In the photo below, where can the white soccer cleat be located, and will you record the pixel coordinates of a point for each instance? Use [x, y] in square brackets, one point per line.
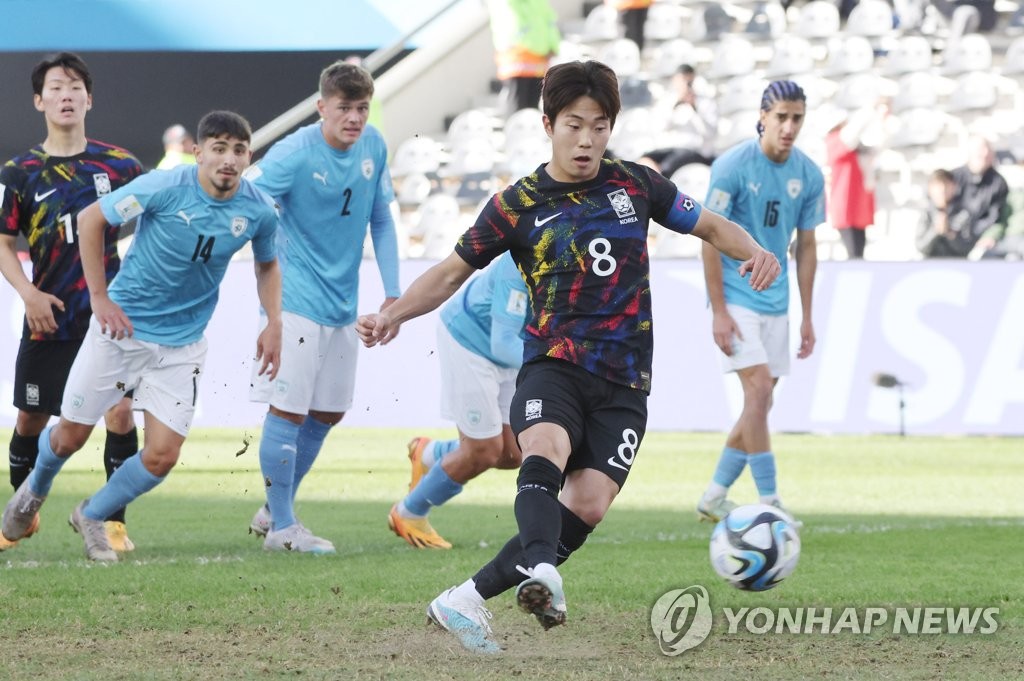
[466, 621]
[21, 513]
[97, 546]
[297, 538]
[713, 510]
[541, 594]
[260, 524]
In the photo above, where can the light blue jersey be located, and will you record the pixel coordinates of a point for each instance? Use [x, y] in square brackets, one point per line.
[326, 198]
[184, 240]
[487, 315]
[769, 200]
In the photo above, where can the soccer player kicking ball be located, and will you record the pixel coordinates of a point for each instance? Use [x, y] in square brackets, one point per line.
[146, 332]
[480, 346]
[577, 229]
[772, 189]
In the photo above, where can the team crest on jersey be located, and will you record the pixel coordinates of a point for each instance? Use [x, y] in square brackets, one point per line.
[102, 183]
[238, 226]
[32, 394]
[622, 204]
[534, 409]
[793, 187]
[367, 168]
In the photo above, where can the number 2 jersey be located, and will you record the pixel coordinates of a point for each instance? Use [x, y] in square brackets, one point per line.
[40, 197]
[582, 250]
[769, 200]
[185, 238]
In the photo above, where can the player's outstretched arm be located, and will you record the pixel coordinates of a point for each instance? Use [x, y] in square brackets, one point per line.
[430, 289]
[91, 228]
[38, 304]
[268, 344]
[736, 242]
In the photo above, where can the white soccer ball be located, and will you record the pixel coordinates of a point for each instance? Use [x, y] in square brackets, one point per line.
[754, 547]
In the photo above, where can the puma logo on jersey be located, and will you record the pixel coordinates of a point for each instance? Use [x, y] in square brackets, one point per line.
[537, 222]
[186, 218]
[322, 178]
[42, 197]
[755, 188]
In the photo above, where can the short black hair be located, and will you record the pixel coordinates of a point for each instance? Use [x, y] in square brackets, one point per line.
[687, 70]
[941, 175]
[567, 82]
[69, 61]
[220, 123]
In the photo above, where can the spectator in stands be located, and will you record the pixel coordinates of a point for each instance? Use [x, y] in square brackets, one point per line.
[1005, 239]
[692, 123]
[633, 15]
[946, 231]
[526, 36]
[979, 186]
[178, 144]
[851, 200]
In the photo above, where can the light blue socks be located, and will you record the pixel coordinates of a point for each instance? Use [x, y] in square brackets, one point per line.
[433, 489]
[762, 466]
[277, 462]
[311, 438]
[130, 481]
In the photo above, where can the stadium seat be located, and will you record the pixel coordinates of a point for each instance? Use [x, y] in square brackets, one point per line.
[910, 54]
[439, 226]
[522, 156]
[636, 132]
[524, 123]
[921, 127]
[791, 56]
[468, 156]
[664, 21]
[622, 55]
[916, 91]
[862, 89]
[413, 189]
[419, 154]
[740, 93]
[973, 91]
[602, 23]
[471, 124]
[1013, 59]
[693, 179]
[848, 54]
[767, 22]
[733, 56]
[817, 20]
[871, 19]
[666, 58]
[737, 127]
[971, 52]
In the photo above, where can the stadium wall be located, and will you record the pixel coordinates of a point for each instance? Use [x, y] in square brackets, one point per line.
[952, 331]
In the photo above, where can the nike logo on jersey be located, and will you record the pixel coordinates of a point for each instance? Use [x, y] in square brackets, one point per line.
[42, 197]
[537, 222]
[186, 218]
[322, 178]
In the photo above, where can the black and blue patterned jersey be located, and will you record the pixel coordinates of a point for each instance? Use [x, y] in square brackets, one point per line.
[40, 197]
[582, 250]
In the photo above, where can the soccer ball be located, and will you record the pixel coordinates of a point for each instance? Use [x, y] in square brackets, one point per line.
[754, 547]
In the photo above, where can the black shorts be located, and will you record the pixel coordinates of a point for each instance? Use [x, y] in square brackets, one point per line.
[605, 421]
[40, 373]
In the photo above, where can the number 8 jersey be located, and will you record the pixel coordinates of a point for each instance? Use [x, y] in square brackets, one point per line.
[582, 250]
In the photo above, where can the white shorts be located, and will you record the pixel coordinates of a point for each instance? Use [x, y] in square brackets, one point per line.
[765, 341]
[318, 367]
[475, 392]
[165, 379]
